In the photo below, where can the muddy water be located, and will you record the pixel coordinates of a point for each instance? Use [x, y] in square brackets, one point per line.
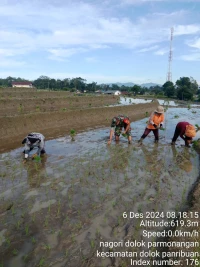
[55, 212]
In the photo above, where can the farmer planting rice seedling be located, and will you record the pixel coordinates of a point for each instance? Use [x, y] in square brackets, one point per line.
[186, 131]
[154, 124]
[31, 141]
[117, 124]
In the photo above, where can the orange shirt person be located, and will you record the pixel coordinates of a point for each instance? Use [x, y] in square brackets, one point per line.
[154, 124]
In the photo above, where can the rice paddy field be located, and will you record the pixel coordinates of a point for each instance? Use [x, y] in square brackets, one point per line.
[56, 210]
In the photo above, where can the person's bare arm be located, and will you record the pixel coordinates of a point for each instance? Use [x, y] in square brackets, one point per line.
[111, 135]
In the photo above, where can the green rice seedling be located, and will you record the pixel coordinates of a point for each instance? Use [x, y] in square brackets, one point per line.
[27, 230]
[66, 253]
[189, 106]
[47, 247]
[41, 262]
[78, 226]
[37, 159]
[15, 252]
[13, 210]
[123, 264]
[33, 218]
[90, 214]
[72, 134]
[139, 209]
[197, 127]
[20, 108]
[176, 116]
[73, 238]
[46, 222]
[18, 224]
[92, 243]
[8, 241]
[25, 257]
[195, 143]
[33, 240]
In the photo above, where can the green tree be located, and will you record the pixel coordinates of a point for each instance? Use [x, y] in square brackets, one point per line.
[169, 89]
[156, 89]
[185, 88]
[136, 89]
[115, 87]
[91, 87]
[194, 85]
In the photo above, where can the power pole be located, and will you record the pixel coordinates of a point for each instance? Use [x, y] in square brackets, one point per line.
[169, 74]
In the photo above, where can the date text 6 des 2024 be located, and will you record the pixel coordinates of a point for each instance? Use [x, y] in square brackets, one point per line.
[158, 215]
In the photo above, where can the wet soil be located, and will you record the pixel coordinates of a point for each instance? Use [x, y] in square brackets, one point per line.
[55, 212]
[17, 107]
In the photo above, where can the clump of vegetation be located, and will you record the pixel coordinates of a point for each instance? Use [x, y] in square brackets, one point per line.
[124, 135]
[20, 108]
[195, 143]
[176, 116]
[197, 127]
[36, 158]
[72, 134]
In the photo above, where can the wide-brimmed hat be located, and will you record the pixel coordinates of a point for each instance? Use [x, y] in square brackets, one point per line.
[159, 109]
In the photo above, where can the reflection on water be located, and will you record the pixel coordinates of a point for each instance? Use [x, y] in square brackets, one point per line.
[80, 190]
[131, 100]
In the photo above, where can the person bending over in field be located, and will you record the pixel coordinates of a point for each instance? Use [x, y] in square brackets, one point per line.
[154, 124]
[31, 141]
[117, 124]
[186, 131]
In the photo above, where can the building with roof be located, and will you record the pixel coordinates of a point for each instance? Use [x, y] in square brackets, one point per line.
[22, 84]
[112, 92]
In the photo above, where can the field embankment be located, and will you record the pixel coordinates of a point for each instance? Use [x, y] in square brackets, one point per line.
[53, 124]
[55, 113]
[13, 107]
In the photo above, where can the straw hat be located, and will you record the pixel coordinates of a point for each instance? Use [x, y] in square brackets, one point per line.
[159, 109]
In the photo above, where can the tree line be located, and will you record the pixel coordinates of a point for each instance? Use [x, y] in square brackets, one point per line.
[184, 88]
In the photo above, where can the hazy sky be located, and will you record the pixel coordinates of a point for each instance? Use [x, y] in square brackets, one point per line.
[101, 41]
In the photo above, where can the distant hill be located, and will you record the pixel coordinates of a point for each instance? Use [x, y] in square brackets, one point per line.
[149, 84]
[130, 84]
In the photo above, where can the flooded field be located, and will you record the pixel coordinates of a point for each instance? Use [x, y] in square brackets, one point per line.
[56, 211]
[131, 100]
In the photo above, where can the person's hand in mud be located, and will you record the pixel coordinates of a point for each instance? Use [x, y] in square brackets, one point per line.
[161, 126]
[34, 156]
[109, 142]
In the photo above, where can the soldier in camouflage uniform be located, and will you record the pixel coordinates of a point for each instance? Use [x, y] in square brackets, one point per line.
[117, 124]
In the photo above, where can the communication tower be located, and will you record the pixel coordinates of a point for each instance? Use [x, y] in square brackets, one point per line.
[169, 74]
